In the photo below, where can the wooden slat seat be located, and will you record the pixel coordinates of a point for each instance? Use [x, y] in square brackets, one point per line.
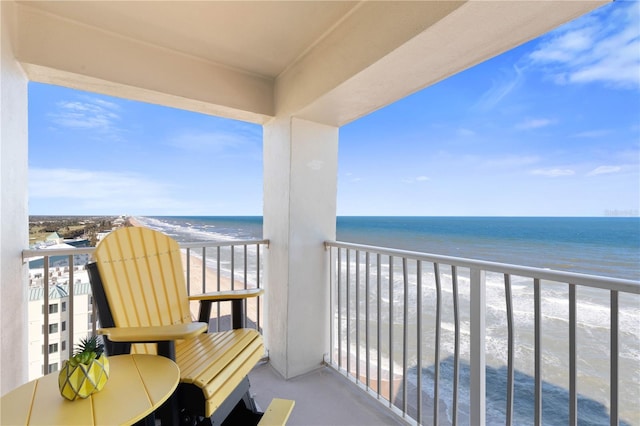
[218, 362]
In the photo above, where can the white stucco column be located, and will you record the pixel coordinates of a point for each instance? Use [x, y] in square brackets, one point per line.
[14, 225]
[300, 184]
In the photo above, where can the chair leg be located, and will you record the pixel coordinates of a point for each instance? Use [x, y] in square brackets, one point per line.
[237, 313]
[240, 396]
[249, 402]
[191, 399]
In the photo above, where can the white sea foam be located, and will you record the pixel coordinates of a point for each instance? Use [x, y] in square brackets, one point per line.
[592, 327]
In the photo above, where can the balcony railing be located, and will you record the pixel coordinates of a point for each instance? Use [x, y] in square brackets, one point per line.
[413, 328]
[444, 340]
[57, 322]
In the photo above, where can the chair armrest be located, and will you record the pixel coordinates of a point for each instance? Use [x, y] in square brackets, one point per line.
[152, 334]
[221, 296]
[236, 297]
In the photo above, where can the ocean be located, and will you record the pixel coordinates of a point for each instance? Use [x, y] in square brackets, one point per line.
[599, 246]
[607, 247]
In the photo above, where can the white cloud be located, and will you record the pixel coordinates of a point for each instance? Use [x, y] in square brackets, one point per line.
[351, 177]
[592, 133]
[87, 190]
[88, 113]
[105, 104]
[510, 161]
[553, 172]
[603, 47]
[535, 123]
[466, 132]
[416, 179]
[501, 87]
[213, 141]
[604, 170]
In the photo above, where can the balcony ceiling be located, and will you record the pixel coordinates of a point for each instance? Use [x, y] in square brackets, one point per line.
[328, 61]
[259, 37]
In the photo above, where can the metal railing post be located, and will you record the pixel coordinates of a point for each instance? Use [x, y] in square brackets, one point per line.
[45, 327]
[613, 361]
[71, 309]
[477, 398]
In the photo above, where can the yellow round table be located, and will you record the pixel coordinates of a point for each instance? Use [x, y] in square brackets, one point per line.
[137, 386]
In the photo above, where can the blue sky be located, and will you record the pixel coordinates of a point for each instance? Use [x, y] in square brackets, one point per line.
[551, 128]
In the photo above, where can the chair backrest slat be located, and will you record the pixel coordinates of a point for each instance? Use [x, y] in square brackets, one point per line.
[143, 277]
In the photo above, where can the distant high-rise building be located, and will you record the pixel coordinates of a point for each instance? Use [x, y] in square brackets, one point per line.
[58, 328]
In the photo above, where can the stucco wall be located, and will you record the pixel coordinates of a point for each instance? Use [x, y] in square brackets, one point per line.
[14, 225]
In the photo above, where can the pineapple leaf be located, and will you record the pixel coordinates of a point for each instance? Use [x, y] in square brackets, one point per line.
[89, 345]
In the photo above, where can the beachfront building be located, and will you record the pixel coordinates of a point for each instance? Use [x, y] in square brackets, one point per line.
[299, 69]
[61, 336]
[60, 261]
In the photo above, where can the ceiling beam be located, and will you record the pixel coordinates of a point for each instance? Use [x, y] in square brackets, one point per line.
[63, 52]
[324, 90]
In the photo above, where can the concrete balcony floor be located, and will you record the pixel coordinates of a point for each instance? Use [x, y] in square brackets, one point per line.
[323, 397]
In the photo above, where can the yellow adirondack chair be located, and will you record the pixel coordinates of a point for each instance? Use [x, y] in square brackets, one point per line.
[139, 286]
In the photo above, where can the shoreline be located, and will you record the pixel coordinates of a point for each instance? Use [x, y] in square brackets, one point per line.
[131, 221]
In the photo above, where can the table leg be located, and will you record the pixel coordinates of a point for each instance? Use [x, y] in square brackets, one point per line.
[150, 420]
[169, 411]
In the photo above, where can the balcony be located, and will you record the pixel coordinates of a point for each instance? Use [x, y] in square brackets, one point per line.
[323, 65]
[484, 344]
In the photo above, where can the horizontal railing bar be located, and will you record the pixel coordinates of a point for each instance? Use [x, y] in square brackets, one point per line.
[198, 244]
[594, 281]
[29, 253]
